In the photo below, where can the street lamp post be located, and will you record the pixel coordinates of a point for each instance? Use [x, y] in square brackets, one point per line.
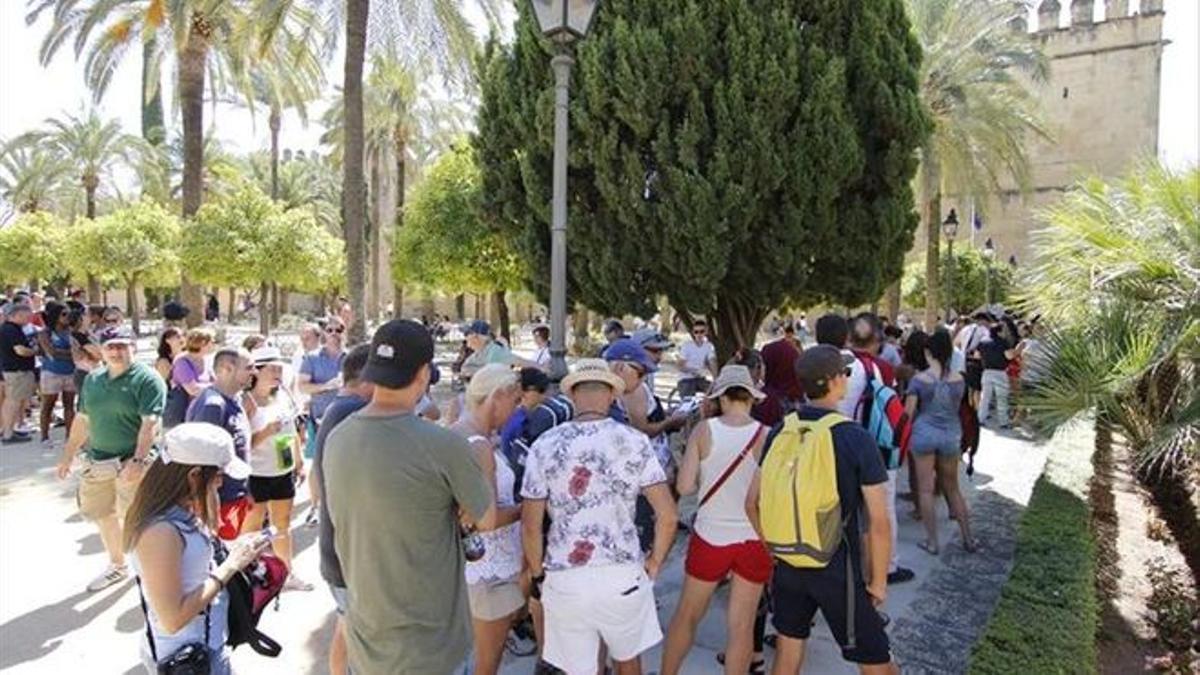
[563, 22]
[950, 231]
[989, 252]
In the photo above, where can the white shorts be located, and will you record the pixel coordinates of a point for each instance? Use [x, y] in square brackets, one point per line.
[586, 605]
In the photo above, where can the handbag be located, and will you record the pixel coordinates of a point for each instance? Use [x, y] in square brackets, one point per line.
[250, 591]
[190, 659]
[737, 461]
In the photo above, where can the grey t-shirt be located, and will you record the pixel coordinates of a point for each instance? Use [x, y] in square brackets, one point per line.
[394, 485]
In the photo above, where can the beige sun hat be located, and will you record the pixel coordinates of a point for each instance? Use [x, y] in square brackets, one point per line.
[593, 370]
[735, 376]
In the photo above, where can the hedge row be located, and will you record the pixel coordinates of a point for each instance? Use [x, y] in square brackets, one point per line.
[1047, 616]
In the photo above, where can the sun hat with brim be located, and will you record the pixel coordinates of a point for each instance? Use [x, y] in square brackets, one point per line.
[593, 370]
[735, 377]
[117, 335]
[266, 356]
[203, 444]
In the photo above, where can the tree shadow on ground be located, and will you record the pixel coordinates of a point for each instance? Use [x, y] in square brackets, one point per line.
[35, 634]
[90, 544]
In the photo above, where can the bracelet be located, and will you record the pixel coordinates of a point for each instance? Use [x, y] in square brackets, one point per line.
[220, 582]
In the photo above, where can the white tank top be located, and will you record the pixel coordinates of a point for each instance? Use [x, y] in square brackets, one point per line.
[722, 521]
[503, 555]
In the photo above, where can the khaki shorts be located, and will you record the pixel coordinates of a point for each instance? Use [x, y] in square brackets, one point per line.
[490, 602]
[57, 384]
[19, 384]
[101, 492]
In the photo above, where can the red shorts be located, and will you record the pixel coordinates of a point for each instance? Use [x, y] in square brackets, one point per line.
[233, 514]
[748, 559]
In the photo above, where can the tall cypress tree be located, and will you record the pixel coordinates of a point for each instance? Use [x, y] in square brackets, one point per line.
[734, 155]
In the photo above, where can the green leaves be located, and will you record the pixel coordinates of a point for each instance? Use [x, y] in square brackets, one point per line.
[31, 248]
[138, 243]
[969, 274]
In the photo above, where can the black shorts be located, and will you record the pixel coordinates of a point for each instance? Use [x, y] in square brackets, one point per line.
[272, 488]
[797, 594]
[974, 375]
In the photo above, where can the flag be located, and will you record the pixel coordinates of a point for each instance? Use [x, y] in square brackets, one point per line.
[977, 222]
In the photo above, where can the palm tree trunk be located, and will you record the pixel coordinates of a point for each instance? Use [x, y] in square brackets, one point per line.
[152, 107]
[931, 205]
[354, 189]
[376, 227]
[275, 122]
[191, 99]
[90, 191]
[400, 140]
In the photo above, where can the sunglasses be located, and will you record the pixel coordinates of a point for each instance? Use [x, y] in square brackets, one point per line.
[699, 332]
[339, 330]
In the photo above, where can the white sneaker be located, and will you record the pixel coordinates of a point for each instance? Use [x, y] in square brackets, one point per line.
[113, 575]
[295, 583]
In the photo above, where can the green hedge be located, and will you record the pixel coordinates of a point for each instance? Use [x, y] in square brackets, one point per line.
[1047, 616]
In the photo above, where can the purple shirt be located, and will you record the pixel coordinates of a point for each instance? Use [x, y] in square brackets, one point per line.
[185, 371]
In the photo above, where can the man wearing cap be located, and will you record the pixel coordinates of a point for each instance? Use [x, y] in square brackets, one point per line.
[485, 349]
[396, 488]
[221, 404]
[18, 364]
[117, 419]
[655, 343]
[593, 580]
[840, 590]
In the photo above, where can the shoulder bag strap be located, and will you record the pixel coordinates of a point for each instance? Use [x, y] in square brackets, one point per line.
[737, 461]
[146, 614]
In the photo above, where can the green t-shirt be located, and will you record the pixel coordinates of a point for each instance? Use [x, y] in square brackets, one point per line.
[115, 408]
[393, 486]
[492, 352]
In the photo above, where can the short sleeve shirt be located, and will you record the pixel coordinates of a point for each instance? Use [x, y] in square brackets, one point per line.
[185, 371]
[274, 456]
[697, 356]
[341, 408]
[321, 367]
[590, 474]
[12, 335]
[492, 352]
[116, 406]
[214, 407]
[394, 486]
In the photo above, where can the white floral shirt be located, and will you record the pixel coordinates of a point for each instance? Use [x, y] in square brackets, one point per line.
[591, 474]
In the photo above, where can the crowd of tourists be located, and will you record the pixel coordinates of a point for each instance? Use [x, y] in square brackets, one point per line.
[515, 509]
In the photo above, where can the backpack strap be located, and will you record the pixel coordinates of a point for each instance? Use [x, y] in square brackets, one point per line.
[733, 465]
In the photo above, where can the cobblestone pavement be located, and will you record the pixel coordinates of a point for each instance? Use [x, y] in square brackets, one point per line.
[50, 624]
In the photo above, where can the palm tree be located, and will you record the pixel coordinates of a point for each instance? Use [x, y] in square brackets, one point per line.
[982, 111]
[1117, 275]
[34, 178]
[207, 38]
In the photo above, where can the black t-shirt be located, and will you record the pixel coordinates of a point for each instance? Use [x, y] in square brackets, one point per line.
[11, 335]
[992, 352]
[858, 464]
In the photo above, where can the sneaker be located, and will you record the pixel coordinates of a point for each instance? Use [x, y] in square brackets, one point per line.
[16, 438]
[295, 583]
[113, 575]
[901, 575]
[313, 517]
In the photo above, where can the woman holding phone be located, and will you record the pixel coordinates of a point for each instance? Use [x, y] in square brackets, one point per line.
[276, 462]
[170, 535]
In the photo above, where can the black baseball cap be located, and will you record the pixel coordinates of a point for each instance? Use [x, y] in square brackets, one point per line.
[535, 379]
[398, 350]
[820, 364]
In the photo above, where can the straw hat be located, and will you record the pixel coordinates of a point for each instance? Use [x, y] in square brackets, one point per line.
[593, 370]
[732, 376]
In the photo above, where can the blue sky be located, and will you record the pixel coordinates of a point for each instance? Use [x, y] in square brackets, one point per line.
[32, 93]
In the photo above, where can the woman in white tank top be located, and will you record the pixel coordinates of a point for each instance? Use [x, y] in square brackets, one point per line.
[718, 467]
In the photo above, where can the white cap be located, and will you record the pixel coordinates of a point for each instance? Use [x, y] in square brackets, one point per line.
[265, 355]
[203, 444]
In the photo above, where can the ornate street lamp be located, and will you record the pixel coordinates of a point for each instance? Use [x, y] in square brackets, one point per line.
[564, 22]
[950, 231]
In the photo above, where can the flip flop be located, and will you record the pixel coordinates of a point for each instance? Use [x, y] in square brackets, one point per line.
[925, 546]
[758, 667]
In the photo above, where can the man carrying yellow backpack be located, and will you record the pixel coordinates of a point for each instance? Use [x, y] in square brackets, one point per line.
[819, 470]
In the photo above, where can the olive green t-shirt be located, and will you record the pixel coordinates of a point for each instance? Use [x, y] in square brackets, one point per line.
[394, 485]
[115, 407]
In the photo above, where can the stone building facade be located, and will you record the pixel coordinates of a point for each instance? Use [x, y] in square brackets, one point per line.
[1100, 104]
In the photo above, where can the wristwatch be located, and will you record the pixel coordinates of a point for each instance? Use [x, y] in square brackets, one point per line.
[536, 588]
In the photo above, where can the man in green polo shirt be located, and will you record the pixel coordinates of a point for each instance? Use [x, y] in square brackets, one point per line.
[120, 406]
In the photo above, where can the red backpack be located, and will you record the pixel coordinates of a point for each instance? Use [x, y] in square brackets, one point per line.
[884, 417]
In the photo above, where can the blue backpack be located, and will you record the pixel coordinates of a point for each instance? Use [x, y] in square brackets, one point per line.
[885, 418]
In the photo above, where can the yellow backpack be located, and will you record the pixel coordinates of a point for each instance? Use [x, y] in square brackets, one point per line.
[799, 508]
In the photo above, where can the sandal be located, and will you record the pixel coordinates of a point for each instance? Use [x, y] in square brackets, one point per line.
[758, 667]
[971, 545]
[927, 547]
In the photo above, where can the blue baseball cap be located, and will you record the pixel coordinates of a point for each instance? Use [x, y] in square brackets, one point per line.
[478, 327]
[629, 351]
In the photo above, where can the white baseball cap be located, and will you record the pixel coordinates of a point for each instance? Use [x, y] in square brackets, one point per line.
[203, 444]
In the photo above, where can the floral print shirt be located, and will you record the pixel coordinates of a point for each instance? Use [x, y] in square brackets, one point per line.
[591, 474]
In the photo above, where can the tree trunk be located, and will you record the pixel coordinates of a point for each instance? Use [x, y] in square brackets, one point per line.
[892, 298]
[153, 129]
[375, 227]
[428, 303]
[501, 304]
[275, 121]
[478, 313]
[734, 325]
[460, 307]
[192, 62]
[131, 304]
[231, 308]
[264, 312]
[93, 288]
[90, 191]
[274, 305]
[397, 301]
[354, 190]
[579, 330]
[931, 205]
[285, 303]
[399, 138]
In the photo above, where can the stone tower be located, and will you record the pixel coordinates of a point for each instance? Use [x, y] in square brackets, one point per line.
[1100, 104]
